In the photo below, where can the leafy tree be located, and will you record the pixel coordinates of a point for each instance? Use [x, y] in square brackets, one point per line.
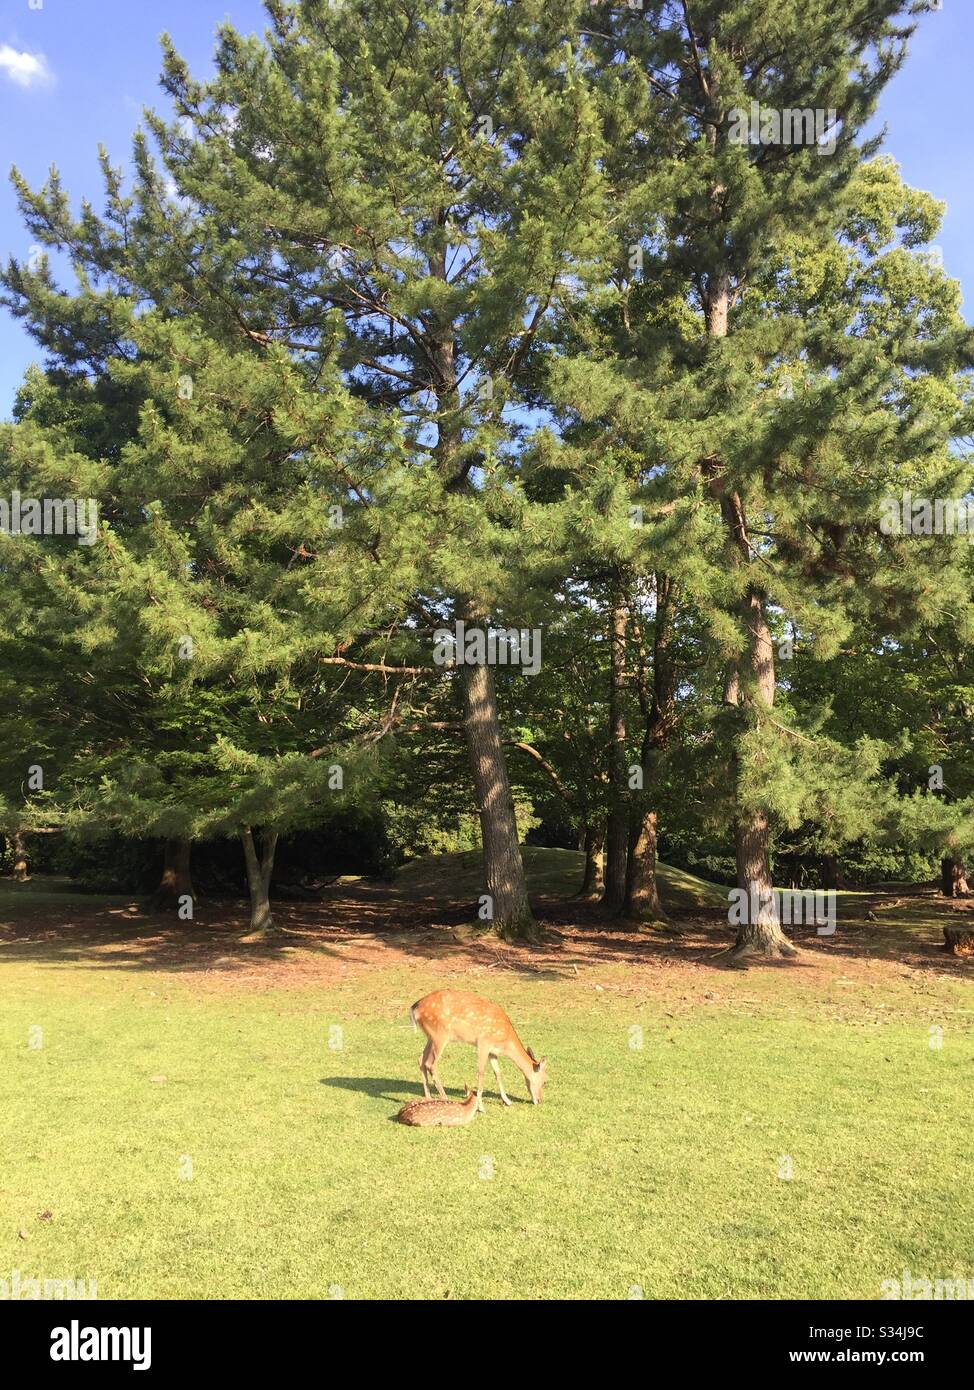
[410, 192]
[196, 635]
[782, 392]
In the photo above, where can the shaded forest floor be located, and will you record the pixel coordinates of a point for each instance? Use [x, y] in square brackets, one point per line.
[426, 919]
[183, 1114]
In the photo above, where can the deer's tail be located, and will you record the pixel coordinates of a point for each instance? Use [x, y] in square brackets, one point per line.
[412, 1016]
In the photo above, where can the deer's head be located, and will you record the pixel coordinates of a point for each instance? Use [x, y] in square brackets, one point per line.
[537, 1077]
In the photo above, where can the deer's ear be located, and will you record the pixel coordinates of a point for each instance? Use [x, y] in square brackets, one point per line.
[531, 1055]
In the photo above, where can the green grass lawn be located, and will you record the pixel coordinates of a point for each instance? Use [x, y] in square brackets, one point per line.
[188, 1135]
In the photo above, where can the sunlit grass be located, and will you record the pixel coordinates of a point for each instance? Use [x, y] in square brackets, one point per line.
[724, 1149]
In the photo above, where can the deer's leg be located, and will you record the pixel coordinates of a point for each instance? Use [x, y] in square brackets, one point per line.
[435, 1053]
[423, 1065]
[495, 1065]
[482, 1055]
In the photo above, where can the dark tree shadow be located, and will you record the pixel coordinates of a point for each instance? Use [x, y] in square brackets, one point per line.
[900, 925]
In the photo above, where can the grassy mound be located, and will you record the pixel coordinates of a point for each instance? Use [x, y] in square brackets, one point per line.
[552, 873]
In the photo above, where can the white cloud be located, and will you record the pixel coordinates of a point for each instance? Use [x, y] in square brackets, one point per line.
[23, 68]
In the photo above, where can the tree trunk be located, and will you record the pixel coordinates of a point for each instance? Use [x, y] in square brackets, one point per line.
[953, 879]
[751, 678]
[503, 867]
[259, 869]
[829, 870]
[617, 829]
[657, 703]
[959, 941]
[176, 881]
[759, 932]
[21, 866]
[593, 882]
[642, 895]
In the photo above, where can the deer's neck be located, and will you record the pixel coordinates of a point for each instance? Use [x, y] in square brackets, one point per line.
[519, 1055]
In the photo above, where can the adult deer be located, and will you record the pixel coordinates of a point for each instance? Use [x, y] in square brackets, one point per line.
[449, 1014]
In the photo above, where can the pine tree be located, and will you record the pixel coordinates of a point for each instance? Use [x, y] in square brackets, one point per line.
[185, 687]
[414, 191]
[789, 424]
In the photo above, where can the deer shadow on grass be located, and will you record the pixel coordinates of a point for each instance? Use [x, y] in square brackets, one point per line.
[389, 1088]
[386, 1088]
[398, 1091]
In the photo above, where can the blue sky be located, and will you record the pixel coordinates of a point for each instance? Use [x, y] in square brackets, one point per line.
[74, 73]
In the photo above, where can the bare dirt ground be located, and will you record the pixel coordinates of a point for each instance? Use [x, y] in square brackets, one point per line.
[888, 938]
